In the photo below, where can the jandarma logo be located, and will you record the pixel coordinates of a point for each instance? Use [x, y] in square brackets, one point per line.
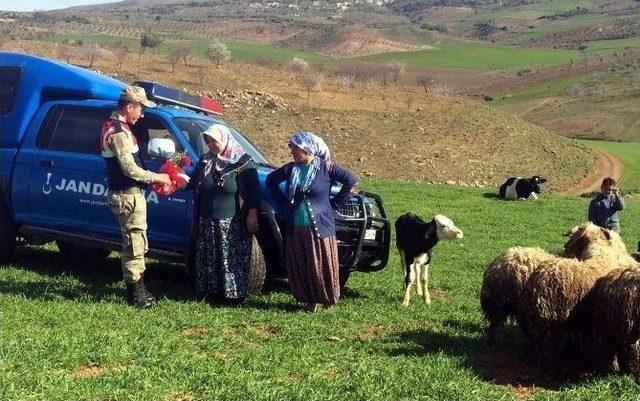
[85, 187]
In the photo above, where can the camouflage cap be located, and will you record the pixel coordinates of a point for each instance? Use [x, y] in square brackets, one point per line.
[136, 94]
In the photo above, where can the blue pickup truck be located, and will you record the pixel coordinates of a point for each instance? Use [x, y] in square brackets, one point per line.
[53, 180]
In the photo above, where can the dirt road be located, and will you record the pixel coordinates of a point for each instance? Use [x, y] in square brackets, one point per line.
[606, 165]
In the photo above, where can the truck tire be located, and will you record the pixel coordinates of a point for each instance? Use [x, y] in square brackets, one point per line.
[8, 234]
[69, 250]
[257, 268]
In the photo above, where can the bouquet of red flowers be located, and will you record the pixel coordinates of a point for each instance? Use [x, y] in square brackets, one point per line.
[174, 167]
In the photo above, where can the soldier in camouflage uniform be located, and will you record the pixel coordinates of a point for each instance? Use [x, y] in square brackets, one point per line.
[127, 180]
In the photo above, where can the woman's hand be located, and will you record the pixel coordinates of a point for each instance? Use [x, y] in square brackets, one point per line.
[252, 221]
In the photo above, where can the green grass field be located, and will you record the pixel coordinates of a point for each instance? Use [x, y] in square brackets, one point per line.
[479, 55]
[67, 333]
[628, 153]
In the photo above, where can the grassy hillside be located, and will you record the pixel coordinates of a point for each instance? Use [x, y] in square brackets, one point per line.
[67, 333]
[628, 155]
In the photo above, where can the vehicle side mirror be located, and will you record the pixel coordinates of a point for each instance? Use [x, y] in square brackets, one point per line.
[161, 148]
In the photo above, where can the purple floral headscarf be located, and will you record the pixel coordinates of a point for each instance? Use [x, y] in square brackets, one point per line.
[314, 145]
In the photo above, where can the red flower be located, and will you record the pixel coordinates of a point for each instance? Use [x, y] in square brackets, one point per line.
[173, 167]
[185, 161]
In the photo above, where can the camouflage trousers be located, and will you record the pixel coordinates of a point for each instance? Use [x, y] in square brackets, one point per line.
[130, 209]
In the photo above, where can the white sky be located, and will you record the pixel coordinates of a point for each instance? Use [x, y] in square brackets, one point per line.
[33, 5]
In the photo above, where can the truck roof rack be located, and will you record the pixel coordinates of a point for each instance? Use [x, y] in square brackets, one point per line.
[171, 96]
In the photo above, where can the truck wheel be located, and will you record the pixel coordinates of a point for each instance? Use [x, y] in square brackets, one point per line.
[69, 250]
[8, 234]
[257, 268]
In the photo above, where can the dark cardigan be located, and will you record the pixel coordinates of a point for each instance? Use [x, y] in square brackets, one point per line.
[317, 196]
[217, 195]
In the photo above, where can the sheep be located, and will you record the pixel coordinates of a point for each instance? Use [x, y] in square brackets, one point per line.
[503, 281]
[605, 326]
[505, 278]
[559, 284]
[415, 240]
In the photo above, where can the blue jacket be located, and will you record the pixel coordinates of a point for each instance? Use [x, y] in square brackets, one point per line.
[317, 196]
[603, 211]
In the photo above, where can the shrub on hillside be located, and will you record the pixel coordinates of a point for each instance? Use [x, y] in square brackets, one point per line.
[120, 50]
[298, 65]
[311, 80]
[64, 52]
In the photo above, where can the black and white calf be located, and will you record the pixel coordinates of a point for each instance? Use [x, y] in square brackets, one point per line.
[522, 188]
[415, 239]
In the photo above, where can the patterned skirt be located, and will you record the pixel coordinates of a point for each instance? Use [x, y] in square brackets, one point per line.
[312, 266]
[223, 256]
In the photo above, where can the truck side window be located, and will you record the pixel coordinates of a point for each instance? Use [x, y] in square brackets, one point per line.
[9, 79]
[151, 127]
[78, 129]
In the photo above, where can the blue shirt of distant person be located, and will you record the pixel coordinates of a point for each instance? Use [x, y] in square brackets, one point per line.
[605, 207]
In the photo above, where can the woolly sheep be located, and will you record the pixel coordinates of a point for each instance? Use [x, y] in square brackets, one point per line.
[504, 279]
[606, 325]
[558, 285]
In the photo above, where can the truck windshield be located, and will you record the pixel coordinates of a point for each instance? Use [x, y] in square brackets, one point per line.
[194, 127]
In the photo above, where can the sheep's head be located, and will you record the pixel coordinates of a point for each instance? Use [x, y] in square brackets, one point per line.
[445, 229]
[585, 237]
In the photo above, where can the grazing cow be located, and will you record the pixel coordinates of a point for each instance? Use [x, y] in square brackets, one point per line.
[415, 240]
[522, 188]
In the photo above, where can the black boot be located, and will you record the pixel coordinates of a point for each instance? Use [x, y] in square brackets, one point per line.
[147, 294]
[138, 296]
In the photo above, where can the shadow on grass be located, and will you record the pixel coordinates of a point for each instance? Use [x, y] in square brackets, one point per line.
[495, 196]
[101, 278]
[507, 362]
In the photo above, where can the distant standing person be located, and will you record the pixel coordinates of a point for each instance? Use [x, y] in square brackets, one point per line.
[311, 249]
[605, 207]
[127, 179]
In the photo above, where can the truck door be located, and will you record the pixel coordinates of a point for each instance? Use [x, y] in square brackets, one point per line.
[167, 221]
[64, 192]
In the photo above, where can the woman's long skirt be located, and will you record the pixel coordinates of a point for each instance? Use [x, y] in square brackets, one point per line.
[312, 266]
[223, 256]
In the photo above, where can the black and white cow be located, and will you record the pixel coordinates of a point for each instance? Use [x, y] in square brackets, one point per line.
[415, 239]
[522, 188]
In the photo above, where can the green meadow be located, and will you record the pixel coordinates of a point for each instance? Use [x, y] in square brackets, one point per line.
[628, 153]
[68, 334]
[477, 55]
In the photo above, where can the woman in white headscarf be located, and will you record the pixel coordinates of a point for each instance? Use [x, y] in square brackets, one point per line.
[311, 250]
[227, 202]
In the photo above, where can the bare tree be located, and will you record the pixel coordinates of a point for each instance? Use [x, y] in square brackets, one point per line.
[92, 52]
[311, 80]
[201, 73]
[298, 65]
[64, 52]
[218, 53]
[425, 81]
[174, 56]
[121, 50]
[186, 51]
[179, 51]
[347, 80]
[397, 70]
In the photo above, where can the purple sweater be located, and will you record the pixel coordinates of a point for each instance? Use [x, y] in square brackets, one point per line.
[318, 199]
